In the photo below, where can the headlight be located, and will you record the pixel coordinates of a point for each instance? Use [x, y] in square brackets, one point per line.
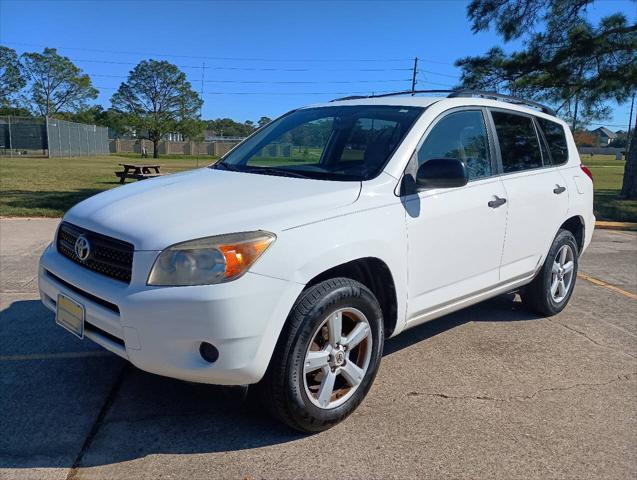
[209, 260]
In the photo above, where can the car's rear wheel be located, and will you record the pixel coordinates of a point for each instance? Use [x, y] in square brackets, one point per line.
[327, 356]
[553, 286]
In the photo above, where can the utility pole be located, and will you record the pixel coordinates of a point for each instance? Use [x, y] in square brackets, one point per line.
[630, 124]
[413, 76]
[203, 73]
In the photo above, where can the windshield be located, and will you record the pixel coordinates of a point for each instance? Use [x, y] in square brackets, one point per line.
[351, 143]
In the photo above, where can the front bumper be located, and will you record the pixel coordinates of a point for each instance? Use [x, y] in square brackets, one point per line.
[159, 329]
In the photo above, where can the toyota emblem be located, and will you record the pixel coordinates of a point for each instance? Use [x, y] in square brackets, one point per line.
[82, 248]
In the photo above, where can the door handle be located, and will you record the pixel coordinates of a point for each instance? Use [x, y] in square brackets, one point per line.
[497, 202]
[559, 189]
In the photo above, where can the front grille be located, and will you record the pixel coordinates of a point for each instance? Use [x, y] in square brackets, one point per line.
[100, 301]
[108, 256]
[89, 327]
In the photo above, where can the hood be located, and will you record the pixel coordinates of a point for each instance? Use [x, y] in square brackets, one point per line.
[154, 214]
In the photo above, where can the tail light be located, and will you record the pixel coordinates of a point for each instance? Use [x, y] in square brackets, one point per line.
[587, 171]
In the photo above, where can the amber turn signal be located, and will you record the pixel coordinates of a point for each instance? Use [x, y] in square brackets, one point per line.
[240, 256]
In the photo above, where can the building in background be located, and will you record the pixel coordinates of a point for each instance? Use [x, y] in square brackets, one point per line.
[604, 136]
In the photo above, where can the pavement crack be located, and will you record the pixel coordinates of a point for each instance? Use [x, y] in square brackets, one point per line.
[456, 397]
[25, 285]
[582, 334]
[619, 378]
[99, 421]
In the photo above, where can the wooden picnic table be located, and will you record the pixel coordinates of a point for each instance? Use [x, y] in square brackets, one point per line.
[138, 171]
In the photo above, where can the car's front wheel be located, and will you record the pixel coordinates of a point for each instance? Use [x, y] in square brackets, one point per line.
[327, 356]
[551, 289]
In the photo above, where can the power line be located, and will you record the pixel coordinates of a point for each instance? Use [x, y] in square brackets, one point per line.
[349, 92]
[439, 74]
[276, 82]
[304, 82]
[609, 124]
[439, 84]
[238, 59]
[262, 69]
[202, 57]
[437, 62]
[253, 69]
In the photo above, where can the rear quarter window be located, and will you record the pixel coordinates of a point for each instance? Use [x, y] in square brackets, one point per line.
[556, 139]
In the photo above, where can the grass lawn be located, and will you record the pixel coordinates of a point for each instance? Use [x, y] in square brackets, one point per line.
[31, 187]
[48, 187]
[607, 179]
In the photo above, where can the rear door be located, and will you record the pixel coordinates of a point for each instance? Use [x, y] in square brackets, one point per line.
[535, 190]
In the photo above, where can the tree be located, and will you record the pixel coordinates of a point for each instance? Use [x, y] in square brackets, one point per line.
[55, 83]
[88, 115]
[193, 129]
[264, 121]
[15, 111]
[96, 115]
[11, 78]
[158, 99]
[584, 139]
[565, 61]
[229, 128]
[629, 183]
[114, 120]
[619, 142]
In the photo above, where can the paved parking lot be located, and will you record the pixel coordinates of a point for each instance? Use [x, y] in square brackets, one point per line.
[490, 392]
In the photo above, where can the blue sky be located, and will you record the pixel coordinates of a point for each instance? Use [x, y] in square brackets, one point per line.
[264, 58]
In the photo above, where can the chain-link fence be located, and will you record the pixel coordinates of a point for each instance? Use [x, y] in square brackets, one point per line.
[23, 136]
[51, 137]
[70, 139]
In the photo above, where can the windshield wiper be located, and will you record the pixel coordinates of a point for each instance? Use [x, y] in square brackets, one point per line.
[276, 171]
[260, 170]
[227, 166]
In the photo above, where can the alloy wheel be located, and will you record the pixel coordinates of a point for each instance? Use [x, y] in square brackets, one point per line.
[337, 358]
[562, 273]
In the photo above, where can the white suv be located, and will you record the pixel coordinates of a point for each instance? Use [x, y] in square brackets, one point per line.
[289, 262]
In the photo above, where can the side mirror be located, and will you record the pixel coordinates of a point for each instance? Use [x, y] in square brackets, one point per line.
[441, 173]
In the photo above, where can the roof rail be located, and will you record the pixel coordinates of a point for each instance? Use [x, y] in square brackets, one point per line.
[501, 97]
[459, 93]
[405, 92]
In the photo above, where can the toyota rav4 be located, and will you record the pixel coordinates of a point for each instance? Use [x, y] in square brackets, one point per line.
[288, 263]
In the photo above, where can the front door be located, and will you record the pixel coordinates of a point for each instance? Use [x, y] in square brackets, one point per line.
[455, 235]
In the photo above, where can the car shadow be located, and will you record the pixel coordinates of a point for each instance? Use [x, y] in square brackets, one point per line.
[61, 396]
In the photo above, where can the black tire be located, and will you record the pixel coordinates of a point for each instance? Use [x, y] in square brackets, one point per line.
[282, 389]
[537, 296]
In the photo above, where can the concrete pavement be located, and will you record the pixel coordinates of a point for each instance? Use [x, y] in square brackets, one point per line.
[489, 392]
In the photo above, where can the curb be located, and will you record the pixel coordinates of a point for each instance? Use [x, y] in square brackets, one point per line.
[604, 225]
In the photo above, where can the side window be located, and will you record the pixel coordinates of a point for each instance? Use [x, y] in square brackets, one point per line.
[519, 145]
[556, 138]
[461, 135]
